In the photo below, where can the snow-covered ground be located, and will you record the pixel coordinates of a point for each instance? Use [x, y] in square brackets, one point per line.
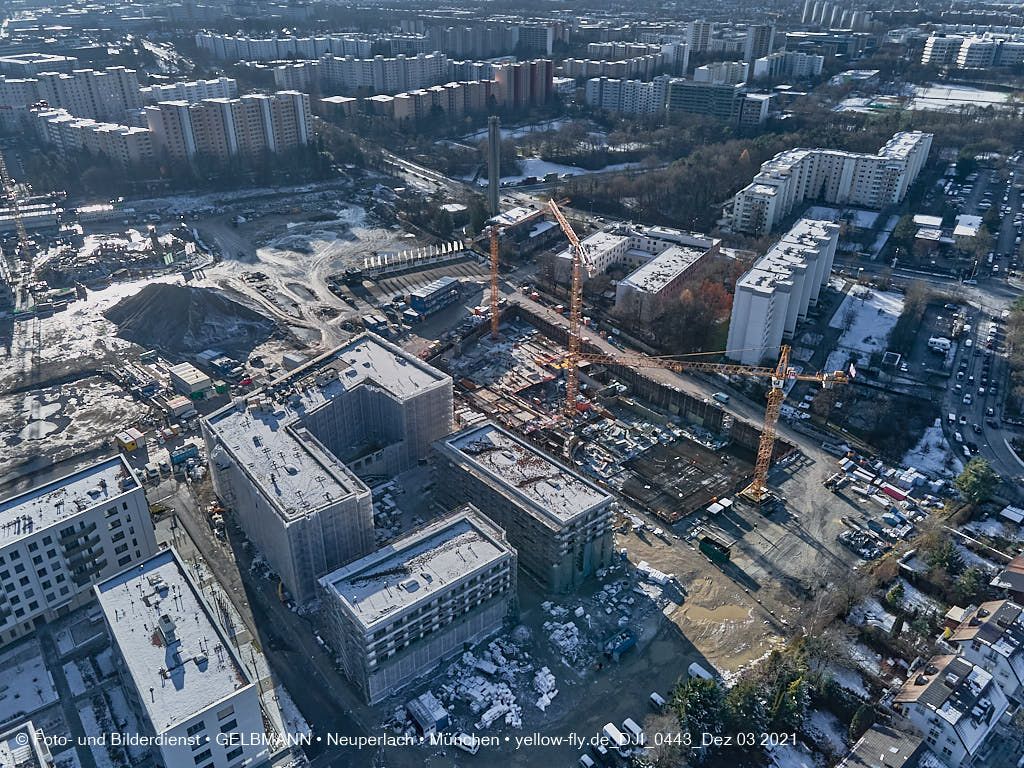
[995, 527]
[514, 133]
[932, 454]
[829, 728]
[534, 166]
[869, 612]
[850, 679]
[874, 314]
[860, 218]
[972, 559]
[947, 97]
[915, 598]
[794, 757]
[74, 677]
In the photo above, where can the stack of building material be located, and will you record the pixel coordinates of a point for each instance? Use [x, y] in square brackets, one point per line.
[544, 684]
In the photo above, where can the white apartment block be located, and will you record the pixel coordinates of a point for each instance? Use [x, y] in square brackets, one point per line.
[992, 637]
[833, 176]
[192, 92]
[633, 97]
[633, 246]
[974, 51]
[243, 47]
[288, 460]
[396, 614]
[379, 74]
[126, 145]
[107, 94]
[955, 704]
[774, 294]
[59, 539]
[638, 67]
[184, 680]
[722, 73]
[791, 64]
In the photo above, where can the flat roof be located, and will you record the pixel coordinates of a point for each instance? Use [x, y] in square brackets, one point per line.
[20, 747]
[266, 433]
[555, 492]
[177, 657]
[60, 500]
[417, 566]
[512, 216]
[664, 268]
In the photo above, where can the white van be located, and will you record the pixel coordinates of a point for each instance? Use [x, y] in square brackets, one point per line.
[721, 397]
[616, 739]
[696, 670]
[586, 761]
[468, 743]
[951, 418]
[657, 700]
[636, 733]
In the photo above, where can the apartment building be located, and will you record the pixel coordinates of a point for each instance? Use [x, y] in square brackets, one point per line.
[379, 74]
[454, 99]
[189, 689]
[646, 293]
[223, 128]
[124, 144]
[834, 176]
[106, 95]
[633, 97]
[698, 35]
[984, 51]
[558, 522]
[955, 704]
[775, 293]
[192, 92]
[31, 64]
[246, 48]
[759, 42]
[396, 614]
[730, 103]
[288, 460]
[25, 746]
[992, 637]
[58, 539]
[793, 65]
[524, 83]
[621, 50]
[638, 67]
[722, 73]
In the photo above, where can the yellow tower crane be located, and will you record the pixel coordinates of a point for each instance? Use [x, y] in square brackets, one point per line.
[778, 374]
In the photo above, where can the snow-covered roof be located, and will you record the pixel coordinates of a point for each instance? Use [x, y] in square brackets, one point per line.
[20, 747]
[552, 491]
[48, 505]
[269, 438]
[175, 652]
[417, 567]
[967, 225]
[663, 268]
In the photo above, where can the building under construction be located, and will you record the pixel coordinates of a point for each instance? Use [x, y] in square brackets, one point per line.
[291, 460]
[559, 523]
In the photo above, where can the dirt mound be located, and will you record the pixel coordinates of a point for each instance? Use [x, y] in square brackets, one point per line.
[179, 319]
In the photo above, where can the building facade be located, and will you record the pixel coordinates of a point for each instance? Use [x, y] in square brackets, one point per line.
[992, 637]
[558, 522]
[396, 614]
[773, 295]
[832, 176]
[59, 539]
[179, 667]
[288, 460]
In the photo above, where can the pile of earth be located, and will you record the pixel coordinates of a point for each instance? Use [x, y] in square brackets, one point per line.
[182, 320]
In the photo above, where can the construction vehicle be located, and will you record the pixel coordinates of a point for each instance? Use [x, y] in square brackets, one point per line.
[757, 492]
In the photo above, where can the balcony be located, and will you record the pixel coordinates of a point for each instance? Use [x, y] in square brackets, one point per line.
[85, 574]
[78, 533]
[78, 546]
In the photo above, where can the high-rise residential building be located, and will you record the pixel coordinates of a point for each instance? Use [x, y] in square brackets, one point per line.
[776, 292]
[795, 65]
[536, 38]
[639, 67]
[192, 694]
[60, 538]
[760, 41]
[126, 145]
[722, 73]
[31, 64]
[223, 128]
[523, 83]
[242, 47]
[379, 74]
[288, 461]
[954, 703]
[698, 35]
[558, 522]
[107, 94]
[730, 103]
[632, 97]
[833, 176]
[974, 51]
[192, 92]
[397, 613]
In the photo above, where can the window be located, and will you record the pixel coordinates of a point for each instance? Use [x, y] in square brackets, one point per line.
[204, 755]
[226, 712]
[47, 541]
[32, 547]
[64, 590]
[196, 728]
[19, 568]
[41, 571]
[236, 752]
[51, 553]
[37, 560]
[23, 580]
[15, 556]
[124, 560]
[230, 725]
[33, 606]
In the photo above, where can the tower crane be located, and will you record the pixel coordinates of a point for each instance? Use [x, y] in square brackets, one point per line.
[495, 228]
[778, 374]
[11, 193]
